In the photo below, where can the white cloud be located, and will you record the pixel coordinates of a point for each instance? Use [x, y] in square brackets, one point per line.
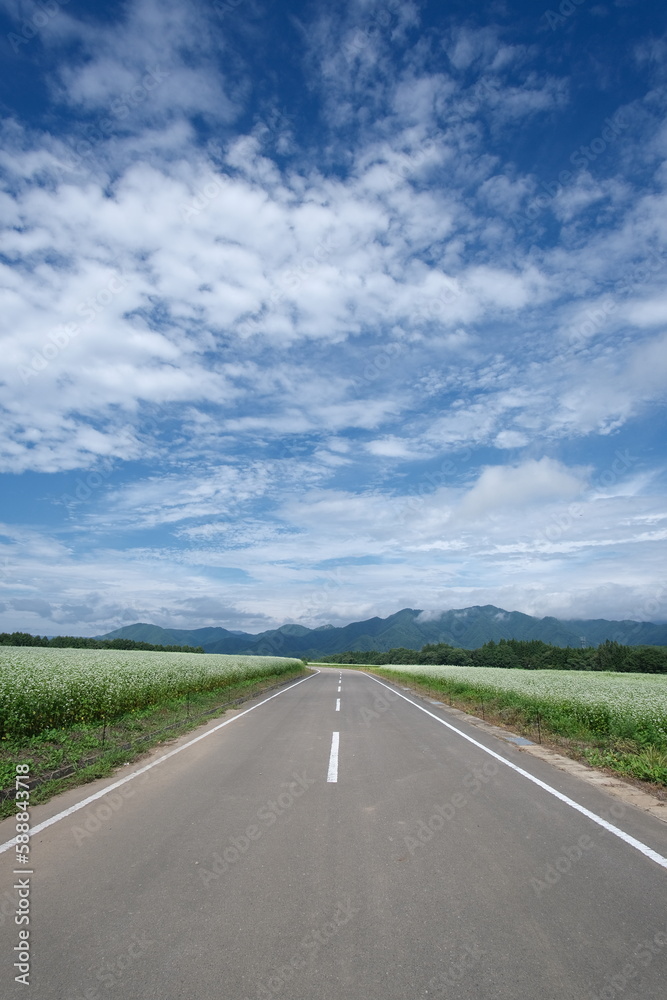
[141, 65]
[511, 439]
[470, 45]
[496, 287]
[265, 342]
[541, 555]
[393, 447]
[518, 486]
[648, 312]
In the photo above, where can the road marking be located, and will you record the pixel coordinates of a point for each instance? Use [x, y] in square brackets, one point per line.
[333, 759]
[339, 688]
[338, 704]
[621, 834]
[142, 770]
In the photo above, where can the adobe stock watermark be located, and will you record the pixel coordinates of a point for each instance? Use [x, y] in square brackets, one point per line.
[203, 196]
[86, 486]
[571, 854]
[656, 261]
[87, 483]
[562, 865]
[7, 906]
[643, 955]
[290, 281]
[405, 163]
[93, 134]
[581, 158]
[379, 20]
[273, 129]
[62, 336]
[112, 971]
[597, 317]
[306, 951]
[563, 522]
[320, 597]
[381, 704]
[380, 361]
[445, 812]
[465, 961]
[120, 109]
[377, 366]
[267, 815]
[436, 308]
[556, 19]
[650, 607]
[430, 482]
[317, 599]
[594, 320]
[31, 27]
[274, 126]
[471, 103]
[94, 817]
[224, 8]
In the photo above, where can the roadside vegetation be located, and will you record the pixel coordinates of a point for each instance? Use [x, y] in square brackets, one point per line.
[522, 654]
[84, 642]
[606, 718]
[73, 715]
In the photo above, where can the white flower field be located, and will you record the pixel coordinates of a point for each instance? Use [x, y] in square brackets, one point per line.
[637, 700]
[43, 688]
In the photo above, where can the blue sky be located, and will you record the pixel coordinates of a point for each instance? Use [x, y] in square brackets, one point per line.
[313, 312]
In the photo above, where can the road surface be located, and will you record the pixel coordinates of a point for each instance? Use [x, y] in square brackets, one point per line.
[338, 841]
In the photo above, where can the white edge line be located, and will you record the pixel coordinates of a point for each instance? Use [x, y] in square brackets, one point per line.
[147, 767]
[333, 759]
[621, 834]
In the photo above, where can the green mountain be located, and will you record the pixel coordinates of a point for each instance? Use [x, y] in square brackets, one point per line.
[468, 628]
[234, 642]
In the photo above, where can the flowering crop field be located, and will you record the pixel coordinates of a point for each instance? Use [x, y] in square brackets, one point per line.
[46, 688]
[604, 701]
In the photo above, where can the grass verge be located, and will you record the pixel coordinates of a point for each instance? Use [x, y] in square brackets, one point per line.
[636, 753]
[92, 751]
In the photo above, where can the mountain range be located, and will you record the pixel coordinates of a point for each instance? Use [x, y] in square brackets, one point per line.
[468, 628]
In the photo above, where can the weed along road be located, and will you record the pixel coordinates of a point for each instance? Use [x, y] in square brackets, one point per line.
[340, 838]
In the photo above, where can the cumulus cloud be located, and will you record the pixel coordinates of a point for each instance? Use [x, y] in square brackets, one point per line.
[246, 336]
[37, 607]
[504, 486]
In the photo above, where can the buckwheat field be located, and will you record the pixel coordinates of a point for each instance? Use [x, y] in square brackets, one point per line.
[44, 688]
[629, 704]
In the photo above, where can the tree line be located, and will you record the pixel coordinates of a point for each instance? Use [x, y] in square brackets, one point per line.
[522, 654]
[83, 642]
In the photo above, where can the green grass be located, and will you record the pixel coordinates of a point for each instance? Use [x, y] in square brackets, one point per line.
[609, 720]
[49, 688]
[74, 746]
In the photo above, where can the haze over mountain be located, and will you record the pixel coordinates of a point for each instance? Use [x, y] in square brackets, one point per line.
[411, 628]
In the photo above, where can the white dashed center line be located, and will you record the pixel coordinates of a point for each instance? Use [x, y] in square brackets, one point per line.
[338, 704]
[333, 759]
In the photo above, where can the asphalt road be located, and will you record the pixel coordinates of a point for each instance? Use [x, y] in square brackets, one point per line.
[259, 863]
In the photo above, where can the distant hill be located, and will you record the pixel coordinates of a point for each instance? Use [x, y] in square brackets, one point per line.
[206, 637]
[468, 628]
